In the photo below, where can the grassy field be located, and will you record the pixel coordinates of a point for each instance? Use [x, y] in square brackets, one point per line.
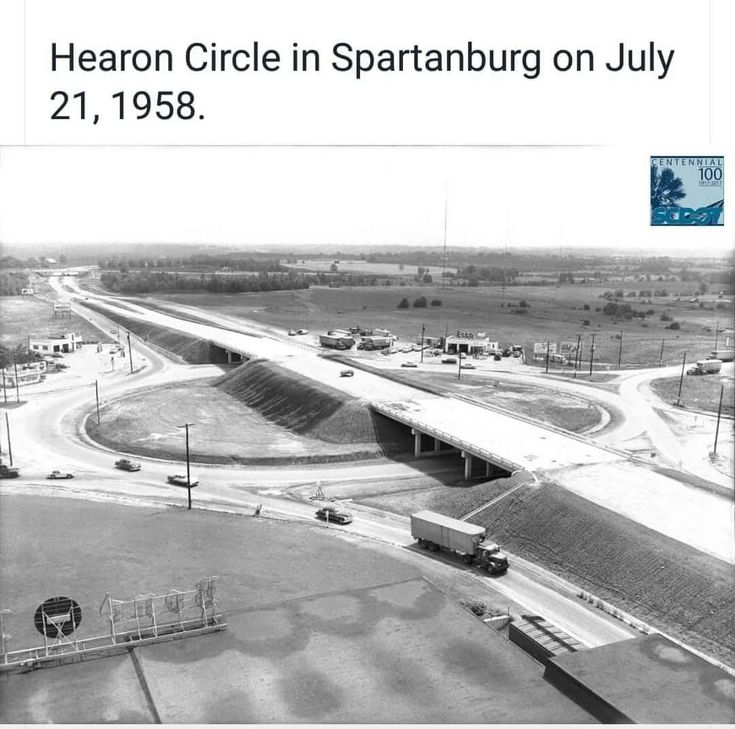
[25, 316]
[554, 313]
[365, 267]
[698, 392]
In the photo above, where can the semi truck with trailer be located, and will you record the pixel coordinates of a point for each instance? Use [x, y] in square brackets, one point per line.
[375, 342]
[337, 339]
[436, 531]
[706, 367]
[724, 355]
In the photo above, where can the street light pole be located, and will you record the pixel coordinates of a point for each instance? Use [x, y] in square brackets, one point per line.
[422, 343]
[188, 472]
[681, 379]
[661, 354]
[17, 387]
[547, 356]
[620, 349]
[576, 356]
[97, 398]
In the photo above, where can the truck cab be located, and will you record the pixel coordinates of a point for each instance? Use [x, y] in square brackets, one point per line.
[490, 556]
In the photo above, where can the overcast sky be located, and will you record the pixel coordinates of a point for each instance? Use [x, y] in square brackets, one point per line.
[339, 197]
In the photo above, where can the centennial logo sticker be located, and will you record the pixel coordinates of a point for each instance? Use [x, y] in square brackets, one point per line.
[687, 190]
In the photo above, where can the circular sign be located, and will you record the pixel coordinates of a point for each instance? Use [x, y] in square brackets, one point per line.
[57, 616]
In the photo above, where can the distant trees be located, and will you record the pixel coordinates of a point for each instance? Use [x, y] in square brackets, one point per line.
[404, 304]
[12, 282]
[420, 303]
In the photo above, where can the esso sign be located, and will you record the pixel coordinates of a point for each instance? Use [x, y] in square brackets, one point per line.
[465, 335]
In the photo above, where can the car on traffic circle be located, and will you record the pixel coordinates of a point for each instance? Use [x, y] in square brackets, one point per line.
[468, 366]
[126, 464]
[302, 331]
[347, 373]
[60, 474]
[409, 364]
[449, 360]
[334, 514]
[179, 480]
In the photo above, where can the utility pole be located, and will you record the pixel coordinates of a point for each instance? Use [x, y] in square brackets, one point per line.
[97, 398]
[620, 349]
[717, 333]
[130, 353]
[10, 447]
[592, 353]
[661, 354]
[5, 392]
[547, 356]
[681, 379]
[17, 386]
[459, 365]
[188, 472]
[719, 413]
[444, 257]
[422, 343]
[576, 356]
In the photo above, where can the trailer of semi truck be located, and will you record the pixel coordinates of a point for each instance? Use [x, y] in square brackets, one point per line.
[337, 339]
[706, 367]
[375, 342]
[436, 531]
[724, 355]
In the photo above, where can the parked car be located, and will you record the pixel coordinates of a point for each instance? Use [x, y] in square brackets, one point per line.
[125, 464]
[57, 355]
[468, 366]
[409, 364]
[497, 356]
[60, 474]
[449, 360]
[179, 480]
[347, 373]
[291, 332]
[334, 514]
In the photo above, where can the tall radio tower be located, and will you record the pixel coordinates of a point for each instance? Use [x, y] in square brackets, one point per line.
[444, 256]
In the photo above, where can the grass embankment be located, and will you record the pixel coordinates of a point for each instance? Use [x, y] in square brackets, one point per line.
[670, 585]
[308, 407]
[698, 392]
[259, 414]
[186, 348]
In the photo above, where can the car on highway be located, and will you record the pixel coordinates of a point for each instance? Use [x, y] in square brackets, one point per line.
[60, 474]
[291, 332]
[179, 480]
[409, 364]
[302, 331]
[347, 373]
[334, 514]
[449, 360]
[126, 464]
[468, 366]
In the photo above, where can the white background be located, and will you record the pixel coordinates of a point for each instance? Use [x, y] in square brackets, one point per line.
[558, 161]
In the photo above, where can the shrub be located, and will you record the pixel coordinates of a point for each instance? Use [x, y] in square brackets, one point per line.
[650, 312]
[436, 302]
[585, 322]
[420, 303]
[586, 307]
[665, 317]
[674, 325]
[523, 304]
[404, 304]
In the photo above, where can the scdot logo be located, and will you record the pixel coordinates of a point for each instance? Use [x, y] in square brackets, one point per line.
[686, 216]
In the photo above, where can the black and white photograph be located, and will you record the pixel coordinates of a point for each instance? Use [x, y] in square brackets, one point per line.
[365, 433]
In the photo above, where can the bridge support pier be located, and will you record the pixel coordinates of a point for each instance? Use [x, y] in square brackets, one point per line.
[419, 450]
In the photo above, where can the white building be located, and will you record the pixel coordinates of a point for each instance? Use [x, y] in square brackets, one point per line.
[471, 343]
[63, 343]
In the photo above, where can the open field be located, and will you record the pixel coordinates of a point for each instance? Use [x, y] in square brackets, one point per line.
[365, 267]
[698, 392]
[25, 316]
[321, 629]
[554, 313]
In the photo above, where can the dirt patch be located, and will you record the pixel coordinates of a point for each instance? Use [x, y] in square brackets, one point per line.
[676, 588]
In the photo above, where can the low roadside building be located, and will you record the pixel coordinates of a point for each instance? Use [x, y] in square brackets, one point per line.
[62, 344]
[470, 343]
